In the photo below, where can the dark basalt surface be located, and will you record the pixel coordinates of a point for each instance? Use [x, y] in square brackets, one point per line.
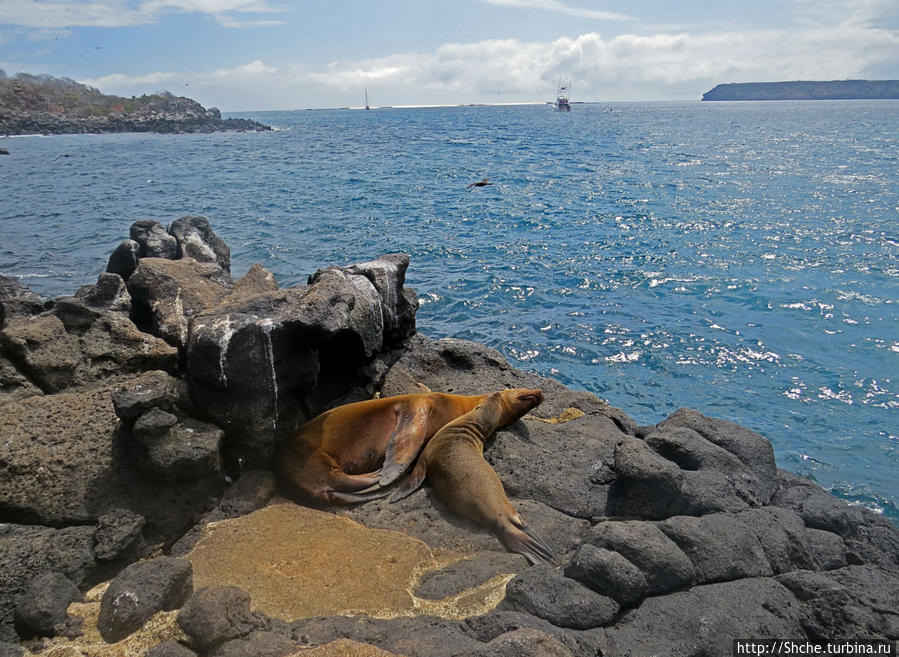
[671, 539]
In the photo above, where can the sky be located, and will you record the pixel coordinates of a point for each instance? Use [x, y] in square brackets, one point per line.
[278, 55]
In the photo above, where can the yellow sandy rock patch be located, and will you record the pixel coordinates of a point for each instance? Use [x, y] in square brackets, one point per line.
[567, 415]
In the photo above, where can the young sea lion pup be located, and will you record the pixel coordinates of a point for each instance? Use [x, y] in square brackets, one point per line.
[365, 445]
[453, 463]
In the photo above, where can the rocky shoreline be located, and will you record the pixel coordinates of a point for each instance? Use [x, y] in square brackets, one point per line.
[139, 514]
[45, 105]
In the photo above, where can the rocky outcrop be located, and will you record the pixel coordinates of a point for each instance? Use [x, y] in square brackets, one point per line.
[141, 415]
[54, 106]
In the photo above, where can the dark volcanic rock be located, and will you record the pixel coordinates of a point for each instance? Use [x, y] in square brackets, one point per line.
[257, 644]
[118, 535]
[109, 293]
[29, 551]
[662, 562]
[856, 602]
[261, 348]
[74, 345]
[153, 389]
[758, 480]
[17, 300]
[705, 620]
[216, 614]
[140, 591]
[608, 573]
[169, 448]
[43, 605]
[544, 592]
[153, 240]
[124, 259]
[166, 294]
[468, 573]
[196, 240]
[720, 545]
[419, 636]
[526, 642]
[170, 649]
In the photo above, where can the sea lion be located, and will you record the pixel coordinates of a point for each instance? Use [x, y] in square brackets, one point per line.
[454, 465]
[367, 444]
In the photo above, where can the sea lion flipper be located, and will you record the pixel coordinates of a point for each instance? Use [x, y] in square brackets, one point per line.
[522, 539]
[411, 483]
[403, 448]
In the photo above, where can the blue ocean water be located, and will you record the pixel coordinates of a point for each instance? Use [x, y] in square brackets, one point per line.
[738, 258]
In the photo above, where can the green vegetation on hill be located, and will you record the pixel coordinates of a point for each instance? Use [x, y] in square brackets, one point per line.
[45, 104]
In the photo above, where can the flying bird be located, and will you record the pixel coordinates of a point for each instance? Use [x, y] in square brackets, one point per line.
[482, 183]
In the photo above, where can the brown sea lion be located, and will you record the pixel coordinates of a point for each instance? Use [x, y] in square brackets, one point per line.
[453, 463]
[365, 445]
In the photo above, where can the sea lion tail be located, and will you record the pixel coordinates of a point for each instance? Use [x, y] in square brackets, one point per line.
[522, 539]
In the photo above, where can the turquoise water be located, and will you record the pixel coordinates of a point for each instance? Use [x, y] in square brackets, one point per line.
[738, 258]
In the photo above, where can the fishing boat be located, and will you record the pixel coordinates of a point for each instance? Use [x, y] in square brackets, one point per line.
[562, 95]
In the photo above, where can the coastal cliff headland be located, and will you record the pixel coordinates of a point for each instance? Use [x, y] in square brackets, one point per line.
[139, 515]
[806, 90]
[53, 106]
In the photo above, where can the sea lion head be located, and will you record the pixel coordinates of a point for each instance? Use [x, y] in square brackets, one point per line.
[516, 402]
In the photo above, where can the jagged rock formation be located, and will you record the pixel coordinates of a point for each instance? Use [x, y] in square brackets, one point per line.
[141, 415]
[46, 105]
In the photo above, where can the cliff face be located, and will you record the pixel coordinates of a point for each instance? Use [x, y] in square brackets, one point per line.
[46, 105]
[801, 90]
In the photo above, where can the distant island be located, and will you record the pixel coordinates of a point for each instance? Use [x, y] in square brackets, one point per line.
[47, 105]
[804, 90]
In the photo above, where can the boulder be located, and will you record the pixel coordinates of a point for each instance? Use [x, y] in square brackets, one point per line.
[663, 564]
[123, 260]
[216, 614]
[608, 573]
[14, 385]
[118, 535]
[168, 448]
[154, 389]
[398, 304]
[526, 642]
[69, 462]
[153, 240]
[196, 240]
[855, 602]
[721, 546]
[705, 620]
[141, 590]
[16, 300]
[167, 294]
[257, 644]
[757, 479]
[73, 345]
[257, 351]
[29, 551]
[418, 636]
[42, 607]
[110, 293]
[546, 593]
[170, 649]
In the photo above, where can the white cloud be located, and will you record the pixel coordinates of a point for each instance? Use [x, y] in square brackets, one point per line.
[679, 65]
[125, 13]
[556, 5]
[626, 66]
